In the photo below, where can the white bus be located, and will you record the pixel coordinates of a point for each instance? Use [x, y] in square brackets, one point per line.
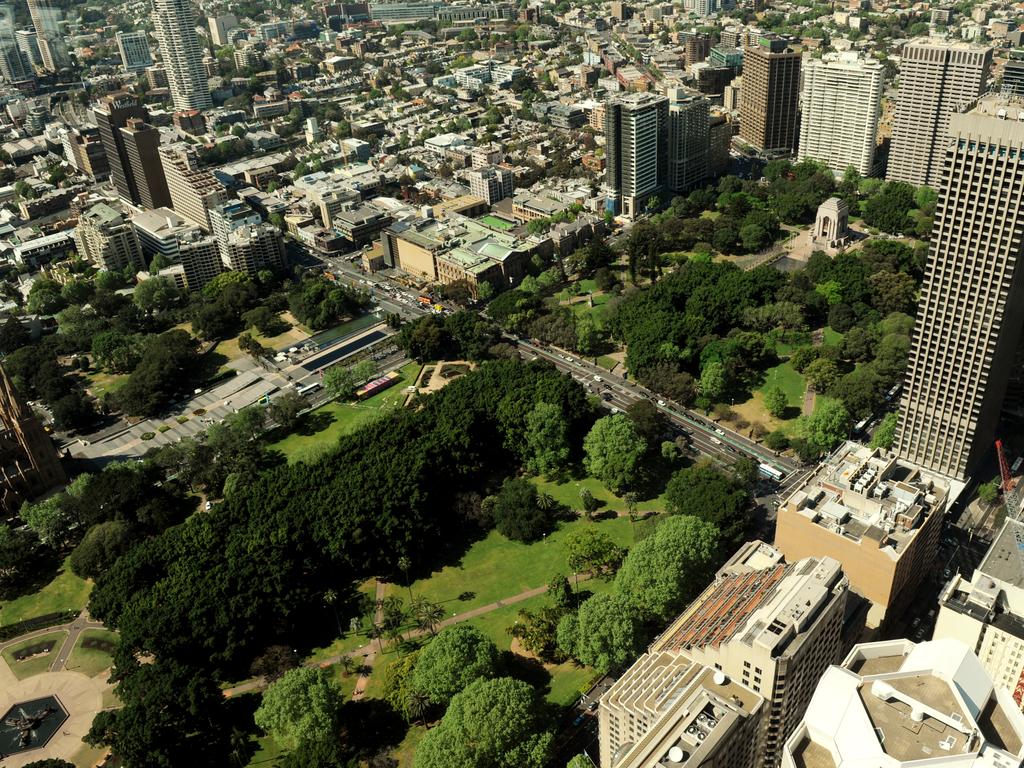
[770, 472]
[305, 389]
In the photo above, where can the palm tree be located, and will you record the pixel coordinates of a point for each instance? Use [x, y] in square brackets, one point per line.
[376, 632]
[428, 615]
[417, 703]
[545, 501]
[347, 664]
[404, 563]
[330, 598]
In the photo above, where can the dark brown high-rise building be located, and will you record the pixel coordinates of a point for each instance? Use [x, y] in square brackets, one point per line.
[769, 109]
[112, 113]
[29, 464]
[141, 144]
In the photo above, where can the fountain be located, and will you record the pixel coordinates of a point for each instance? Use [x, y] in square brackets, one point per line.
[30, 725]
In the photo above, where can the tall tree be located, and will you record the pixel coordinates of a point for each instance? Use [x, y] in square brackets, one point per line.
[613, 451]
[492, 724]
[301, 706]
[451, 661]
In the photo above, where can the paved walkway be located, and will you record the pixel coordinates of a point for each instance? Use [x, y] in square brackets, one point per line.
[810, 396]
[369, 656]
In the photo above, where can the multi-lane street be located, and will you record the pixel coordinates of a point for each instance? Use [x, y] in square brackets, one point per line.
[710, 439]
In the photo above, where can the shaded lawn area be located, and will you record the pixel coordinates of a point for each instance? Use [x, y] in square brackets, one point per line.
[64, 593]
[588, 285]
[568, 493]
[320, 429]
[831, 337]
[352, 640]
[405, 752]
[267, 753]
[36, 664]
[495, 568]
[92, 661]
[597, 312]
[100, 383]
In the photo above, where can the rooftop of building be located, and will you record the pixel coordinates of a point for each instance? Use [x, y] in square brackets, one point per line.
[859, 492]
[770, 606]
[691, 708]
[1005, 558]
[101, 215]
[457, 231]
[897, 702]
[162, 222]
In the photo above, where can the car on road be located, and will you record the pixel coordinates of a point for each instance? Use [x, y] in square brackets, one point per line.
[720, 431]
[578, 720]
[598, 378]
[661, 403]
[592, 706]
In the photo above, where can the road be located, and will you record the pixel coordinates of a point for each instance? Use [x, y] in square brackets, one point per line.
[722, 445]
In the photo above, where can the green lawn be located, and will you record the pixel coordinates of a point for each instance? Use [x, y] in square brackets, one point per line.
[100, 383]
[91, 661]
[583, 287]
[607, 362]
[568, 493]
[405, 752]
[832, 338]
[496, 568]
[320, 429]
[36, 664]
[597, 312]
[791, 382]
[66, 592]
[266, 754]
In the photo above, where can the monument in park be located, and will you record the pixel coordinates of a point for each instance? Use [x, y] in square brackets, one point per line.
[831, 225]
[30, 725]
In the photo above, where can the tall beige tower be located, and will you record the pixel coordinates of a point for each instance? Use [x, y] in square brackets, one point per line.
[936, 78]
[193, 190]
[839, 107]
[971, 306]
[183, 56]
[47, 18]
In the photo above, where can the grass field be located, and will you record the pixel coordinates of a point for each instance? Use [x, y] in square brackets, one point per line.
[36, 664]
[832, 338]
[320, 429]
[64, 593]
[597, 312]
[495, 568]
[91, 661]
[786, 378]
[267, 753]
[294, 335]
[607, 362]
[568, 493]
[494, 221]
[99, 383]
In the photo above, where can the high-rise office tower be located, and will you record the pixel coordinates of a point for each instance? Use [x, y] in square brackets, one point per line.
[839, 107]
[936, 78]
[194, 191]
[134, 48]
[182, 55]
[221, 27]
[141, 143]
[48, 18]
[688, 139]
[14, 65]
[971, 307]
[28, 42]
[84, 149]
[769, 107]
[112, 113]
[105, 238]
[636, 136]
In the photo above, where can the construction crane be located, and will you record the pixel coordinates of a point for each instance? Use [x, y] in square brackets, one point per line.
[1012, 490]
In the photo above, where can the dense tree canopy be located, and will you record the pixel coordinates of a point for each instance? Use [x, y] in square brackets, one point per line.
[459, 655]
[301, 706]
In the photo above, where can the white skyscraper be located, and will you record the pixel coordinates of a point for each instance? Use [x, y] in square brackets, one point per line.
[14, 65]
[134, 48]
[839, 105]
[183, 56]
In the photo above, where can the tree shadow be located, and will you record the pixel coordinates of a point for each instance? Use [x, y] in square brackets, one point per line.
[526, 669]
[791, 412]
[313, 423]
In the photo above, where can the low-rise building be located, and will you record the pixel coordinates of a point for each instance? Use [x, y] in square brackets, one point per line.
[894, 703]
[877, 515]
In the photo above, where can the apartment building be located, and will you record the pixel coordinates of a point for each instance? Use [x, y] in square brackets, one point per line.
[636, 145]
[877, 515]
[986, 613]
[937, 78]
[105, 238]
[893, 703]
[134, 50]
[182, 54]
[254, 247]
[688, 138]
[971, 304]
[840, 103]
[193, 190]
[768, 627]
[490, 184]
